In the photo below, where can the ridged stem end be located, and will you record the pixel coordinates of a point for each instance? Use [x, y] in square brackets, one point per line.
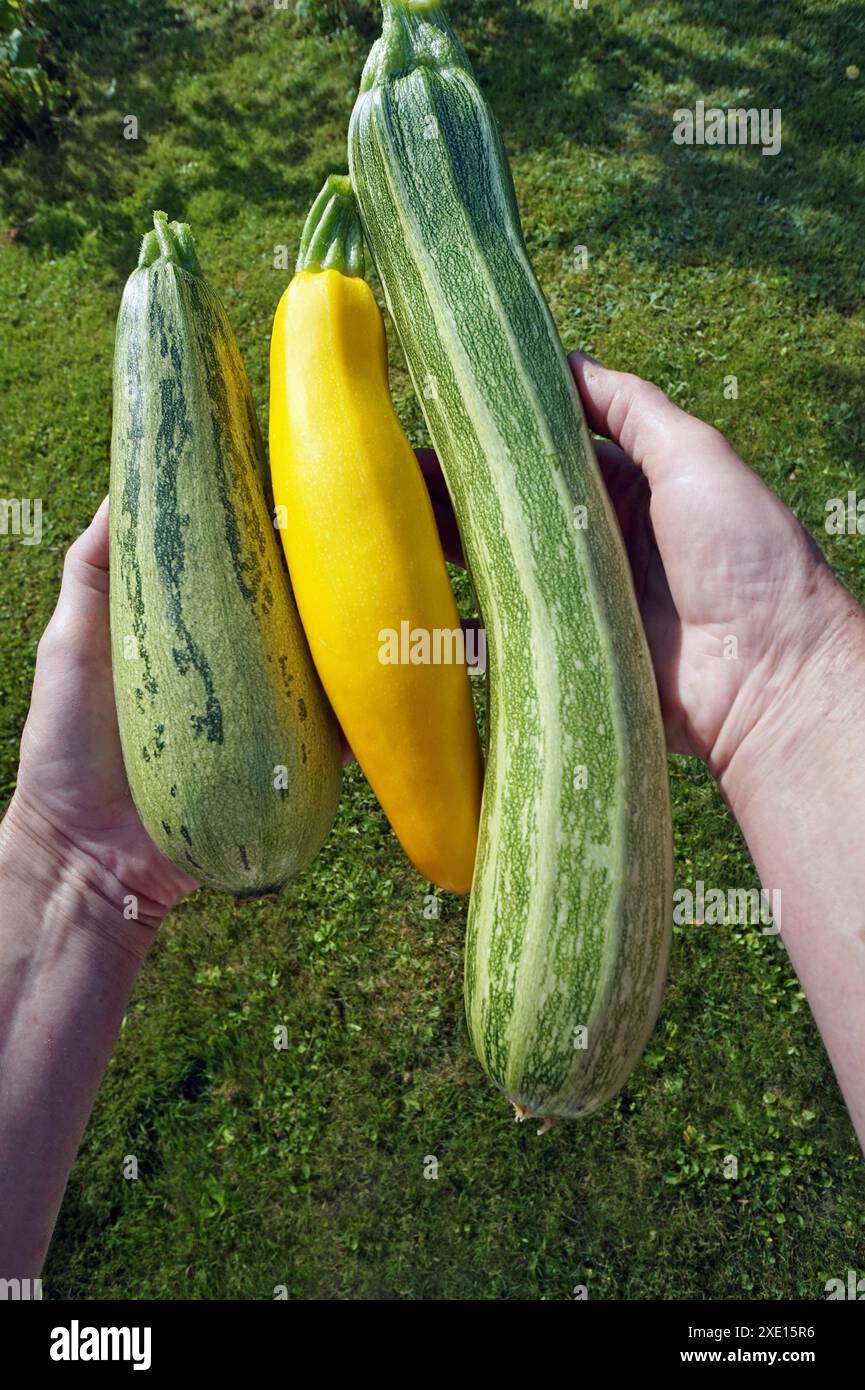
[415, 33]
[333, 236]
[169, 241]
[394, 9]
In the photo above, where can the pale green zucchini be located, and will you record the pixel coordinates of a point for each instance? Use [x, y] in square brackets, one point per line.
[570, 915]
[231, 750]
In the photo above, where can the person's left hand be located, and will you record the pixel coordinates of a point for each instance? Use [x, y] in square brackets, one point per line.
[72, 794]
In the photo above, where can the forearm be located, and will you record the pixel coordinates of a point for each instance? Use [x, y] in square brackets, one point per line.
[68, 961]
[797, 788]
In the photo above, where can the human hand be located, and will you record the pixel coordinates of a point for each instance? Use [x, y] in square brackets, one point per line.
[72, 797]
[736, 598]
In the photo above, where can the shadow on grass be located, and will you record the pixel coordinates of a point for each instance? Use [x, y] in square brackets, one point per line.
[239, 147]
[558, 78]
[577, 79]
[58, 185]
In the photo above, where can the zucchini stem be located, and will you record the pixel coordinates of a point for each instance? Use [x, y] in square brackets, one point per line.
[407, 12]
[415, 33]
[169, 241]
[333, 236]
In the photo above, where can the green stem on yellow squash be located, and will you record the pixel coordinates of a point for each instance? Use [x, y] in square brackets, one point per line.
[333, 236]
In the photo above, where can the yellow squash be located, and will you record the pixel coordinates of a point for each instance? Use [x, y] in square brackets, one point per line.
[364, 555]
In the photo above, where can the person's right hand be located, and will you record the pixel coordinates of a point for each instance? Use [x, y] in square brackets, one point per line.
[715, 556]
[72, 814]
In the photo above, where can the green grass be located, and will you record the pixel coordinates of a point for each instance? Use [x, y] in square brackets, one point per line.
[305, 1167]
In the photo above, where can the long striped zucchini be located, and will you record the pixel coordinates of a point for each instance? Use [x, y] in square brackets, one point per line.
[231, 750]
[569, 922]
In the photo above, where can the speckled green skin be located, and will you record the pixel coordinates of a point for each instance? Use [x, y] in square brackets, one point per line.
[215, 688]
[570, 915]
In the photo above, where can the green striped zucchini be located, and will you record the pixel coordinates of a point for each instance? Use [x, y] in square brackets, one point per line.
[231, 750]
[569, 921]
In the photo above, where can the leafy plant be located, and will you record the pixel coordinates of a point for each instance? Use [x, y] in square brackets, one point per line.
[29, 83]
[39, 42]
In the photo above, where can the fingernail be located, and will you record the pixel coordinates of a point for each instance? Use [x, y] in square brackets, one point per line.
[580, 356]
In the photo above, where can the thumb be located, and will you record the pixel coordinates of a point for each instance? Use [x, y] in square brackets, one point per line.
[81, 615]
[91, 547]
[659, 436]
